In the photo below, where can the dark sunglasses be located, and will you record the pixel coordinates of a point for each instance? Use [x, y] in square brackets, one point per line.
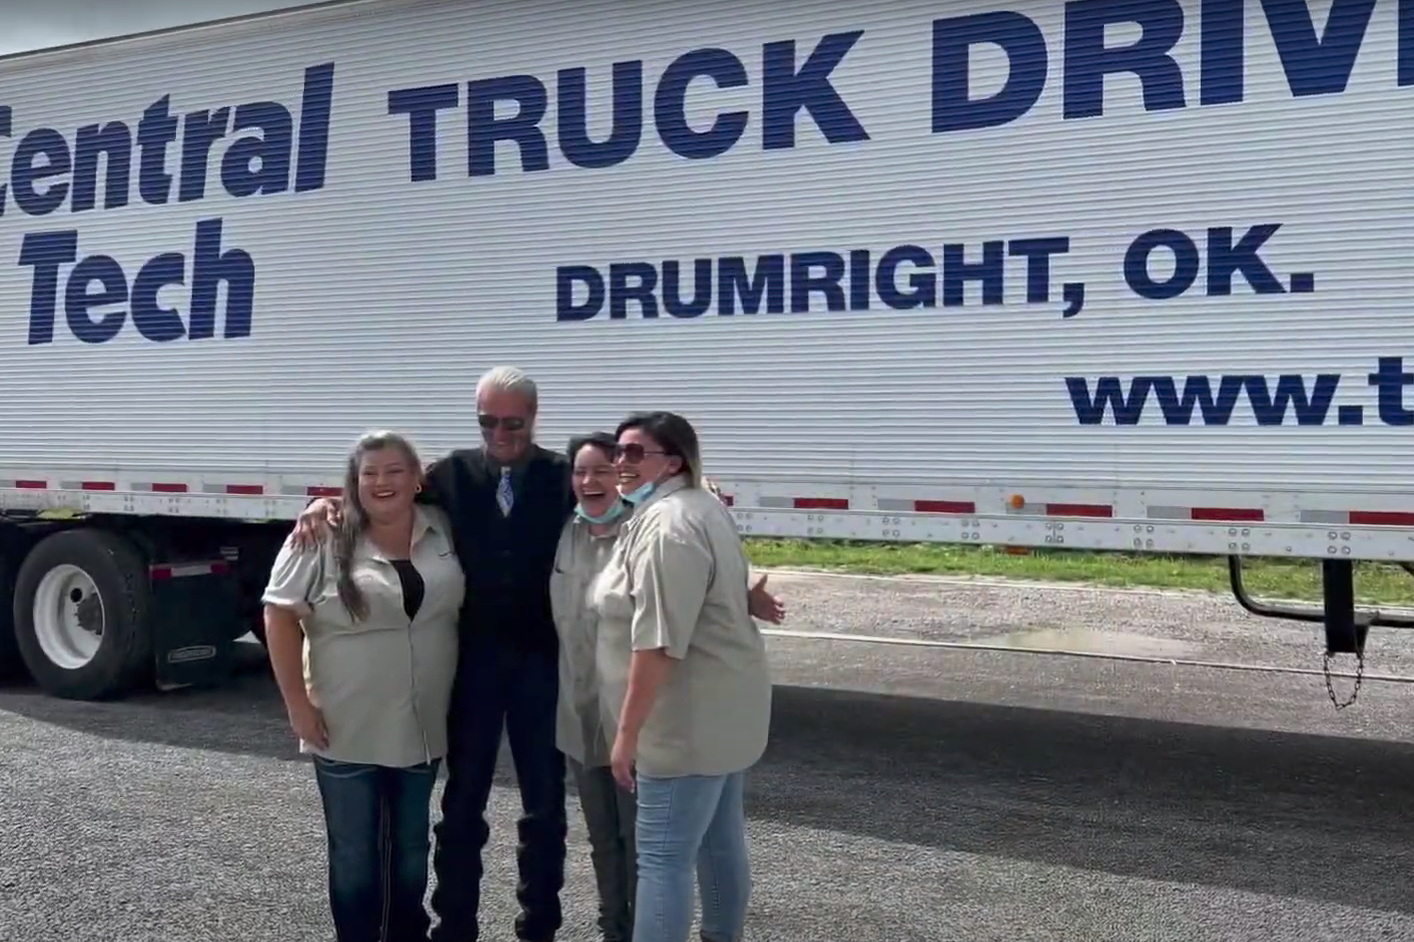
[633, 453]
[510, 423]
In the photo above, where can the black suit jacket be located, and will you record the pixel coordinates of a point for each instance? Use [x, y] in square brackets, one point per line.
[507, 560]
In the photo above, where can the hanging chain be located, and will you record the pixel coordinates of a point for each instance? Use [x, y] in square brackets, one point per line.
[1359, 676]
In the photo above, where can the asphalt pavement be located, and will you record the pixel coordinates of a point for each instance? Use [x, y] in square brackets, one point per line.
[908, 793]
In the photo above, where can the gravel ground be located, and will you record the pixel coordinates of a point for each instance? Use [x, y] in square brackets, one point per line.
[1139, 622]
[909, 793]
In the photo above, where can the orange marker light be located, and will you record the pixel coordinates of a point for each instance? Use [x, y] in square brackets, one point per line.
[1017, 502]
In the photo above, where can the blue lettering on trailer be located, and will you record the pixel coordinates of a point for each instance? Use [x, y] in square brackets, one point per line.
[46, 170]
[796, 90]
[1313, 63]
[904, 277]
[1123, 402]
[47, 252]
[268, 154]
[789, 86]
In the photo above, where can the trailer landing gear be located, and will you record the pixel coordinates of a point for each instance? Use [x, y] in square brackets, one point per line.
[1346, 626]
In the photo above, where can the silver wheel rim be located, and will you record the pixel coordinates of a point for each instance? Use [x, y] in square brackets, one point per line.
[69, 617]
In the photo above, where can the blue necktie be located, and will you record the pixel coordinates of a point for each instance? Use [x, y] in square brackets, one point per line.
[505, 497]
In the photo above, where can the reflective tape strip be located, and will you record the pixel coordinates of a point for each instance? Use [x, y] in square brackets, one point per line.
[1079, 510]
[1335, 518]
[806, 503]
[179, 570]
[927, 506]
[1359, 518]
[1099, 511]
[1208, 514]
[243, 490]
[820, 503]
[1381, 518]
[87, 486]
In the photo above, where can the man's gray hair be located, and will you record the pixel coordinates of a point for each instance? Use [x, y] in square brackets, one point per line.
[511, 379]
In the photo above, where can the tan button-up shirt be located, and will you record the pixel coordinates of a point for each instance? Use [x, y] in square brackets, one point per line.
[384, 684]
[579, 723]
[678, 581]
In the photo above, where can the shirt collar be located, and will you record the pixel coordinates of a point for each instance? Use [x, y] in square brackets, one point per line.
[422, 525]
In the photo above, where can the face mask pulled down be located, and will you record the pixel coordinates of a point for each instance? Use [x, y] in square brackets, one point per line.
[608, 516]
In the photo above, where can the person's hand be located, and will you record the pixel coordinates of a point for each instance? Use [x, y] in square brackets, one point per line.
[314, 523]
[764, 605]
[621, 761]
[308, 724]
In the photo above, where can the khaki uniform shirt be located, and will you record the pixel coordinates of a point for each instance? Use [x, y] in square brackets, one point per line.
[384, 684]
[678, 581]
[579, 724]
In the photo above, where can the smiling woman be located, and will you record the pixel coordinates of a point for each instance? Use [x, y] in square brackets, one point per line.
[583, 730]
[685, 685]
[387, 589]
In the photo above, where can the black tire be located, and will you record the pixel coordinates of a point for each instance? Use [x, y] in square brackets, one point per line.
[11, 664]
[119, 573]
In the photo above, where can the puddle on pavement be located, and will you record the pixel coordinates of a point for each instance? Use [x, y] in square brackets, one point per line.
[1090, 641]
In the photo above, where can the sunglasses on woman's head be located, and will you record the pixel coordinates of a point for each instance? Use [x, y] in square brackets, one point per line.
[511, 423]
[633, 453]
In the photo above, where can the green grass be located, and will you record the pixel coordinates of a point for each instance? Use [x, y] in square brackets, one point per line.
[1375, 583]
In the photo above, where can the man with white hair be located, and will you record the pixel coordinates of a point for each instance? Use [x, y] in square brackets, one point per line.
[508, 501]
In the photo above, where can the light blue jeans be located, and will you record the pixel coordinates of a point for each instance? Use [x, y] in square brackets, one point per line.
[686, 824]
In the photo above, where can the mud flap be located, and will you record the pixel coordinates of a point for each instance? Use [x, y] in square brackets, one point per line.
[195, 617]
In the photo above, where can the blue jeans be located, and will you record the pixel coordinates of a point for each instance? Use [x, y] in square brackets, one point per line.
[686, 824]
[377, 822]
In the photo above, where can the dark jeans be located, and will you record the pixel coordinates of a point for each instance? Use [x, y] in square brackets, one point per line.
[377, 822]
[609, 814]
[499, 688]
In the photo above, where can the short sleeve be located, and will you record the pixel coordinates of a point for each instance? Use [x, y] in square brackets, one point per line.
[671, 574]
[295, 578]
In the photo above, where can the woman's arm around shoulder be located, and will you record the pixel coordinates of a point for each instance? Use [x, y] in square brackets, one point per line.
[436, 482]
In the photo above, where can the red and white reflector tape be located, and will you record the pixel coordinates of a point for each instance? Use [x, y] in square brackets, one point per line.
[182, 570]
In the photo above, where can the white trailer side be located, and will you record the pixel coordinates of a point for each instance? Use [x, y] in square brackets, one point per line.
[1098, 274]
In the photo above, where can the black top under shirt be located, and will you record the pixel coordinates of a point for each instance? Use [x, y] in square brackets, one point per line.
[414, 588]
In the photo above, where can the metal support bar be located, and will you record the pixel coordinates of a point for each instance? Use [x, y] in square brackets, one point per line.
[1345, 633]
[1311, 613]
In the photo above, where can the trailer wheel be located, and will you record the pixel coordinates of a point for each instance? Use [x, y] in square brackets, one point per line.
[81, 615]
[10, 663]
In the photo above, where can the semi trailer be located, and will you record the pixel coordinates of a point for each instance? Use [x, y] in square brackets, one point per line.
[1117, 275]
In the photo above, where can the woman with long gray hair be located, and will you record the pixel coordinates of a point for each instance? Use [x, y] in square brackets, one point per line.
[362, 637]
